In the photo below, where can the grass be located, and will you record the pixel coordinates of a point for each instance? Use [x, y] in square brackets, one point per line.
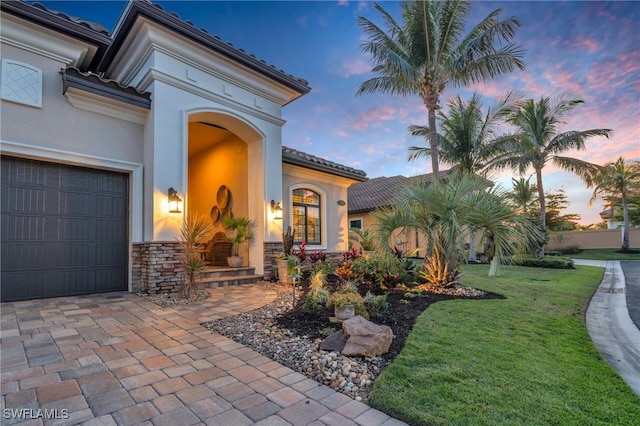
[606, 254]
[526, 359]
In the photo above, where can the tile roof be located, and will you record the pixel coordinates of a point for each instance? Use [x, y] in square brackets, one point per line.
[295, 157]
[109, 44]
[186, 28]
[87, 24]
[382, 191]
[90, 82]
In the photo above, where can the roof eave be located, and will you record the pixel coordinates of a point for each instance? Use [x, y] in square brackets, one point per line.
[59, 24]
[321, 168]
[172, 22]
[93, 84]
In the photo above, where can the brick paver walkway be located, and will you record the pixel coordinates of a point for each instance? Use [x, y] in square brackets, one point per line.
[117, 358]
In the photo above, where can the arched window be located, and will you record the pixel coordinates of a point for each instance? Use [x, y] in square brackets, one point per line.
[306, 216]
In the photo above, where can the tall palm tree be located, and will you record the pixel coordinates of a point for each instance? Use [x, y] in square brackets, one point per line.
[429, 51]
[468, 138]
[538, 141]
[617, 179]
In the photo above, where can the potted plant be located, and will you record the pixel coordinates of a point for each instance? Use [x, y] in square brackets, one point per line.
[238, 230]
[346, 302]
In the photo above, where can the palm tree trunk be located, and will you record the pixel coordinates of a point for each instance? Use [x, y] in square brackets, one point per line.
[543, 207]
[494, 268]
[431, 99]
[625, 221]
[433, 144]
[472, 246]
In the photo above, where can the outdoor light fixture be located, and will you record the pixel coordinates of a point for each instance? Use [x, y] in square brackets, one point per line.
[276, 209]
[174, 201]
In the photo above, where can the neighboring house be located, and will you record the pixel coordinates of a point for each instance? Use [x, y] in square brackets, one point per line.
[98, 129]
[382, 192]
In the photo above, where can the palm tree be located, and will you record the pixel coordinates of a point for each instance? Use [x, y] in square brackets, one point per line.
[617, 179]
[468, 138]
[429, 51]
[539, 142]
[523, 195]
[445, 214]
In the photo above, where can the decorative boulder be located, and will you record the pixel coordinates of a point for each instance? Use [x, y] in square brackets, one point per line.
[334, 342]
[366, 338]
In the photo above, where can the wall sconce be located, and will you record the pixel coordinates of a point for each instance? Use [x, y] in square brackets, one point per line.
[276, 209]
[174, 201]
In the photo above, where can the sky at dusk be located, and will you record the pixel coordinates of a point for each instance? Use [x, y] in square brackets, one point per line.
[588, 49]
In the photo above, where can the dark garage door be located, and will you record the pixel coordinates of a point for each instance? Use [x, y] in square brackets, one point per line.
[64, 230]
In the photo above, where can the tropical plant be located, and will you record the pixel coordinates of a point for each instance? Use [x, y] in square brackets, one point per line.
[429, 51]
[523, 196]
[469, 138]
[317, 294]
[445, 214]
[287, 241]
[377, 305]
[194, 231]
[363, 237]
[239, 230]
[621, 179]
[340, 300]
[538, 141]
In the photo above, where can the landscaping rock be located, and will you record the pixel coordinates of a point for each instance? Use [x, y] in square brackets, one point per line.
[366, 338]
[335, 342]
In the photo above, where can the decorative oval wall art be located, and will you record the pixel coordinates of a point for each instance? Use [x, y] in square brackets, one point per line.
[215, 215]
[223, 197]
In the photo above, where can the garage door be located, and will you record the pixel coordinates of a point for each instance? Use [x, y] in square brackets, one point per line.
[64, 230]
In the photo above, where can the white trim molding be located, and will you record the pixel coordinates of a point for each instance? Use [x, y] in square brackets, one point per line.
[323, 211]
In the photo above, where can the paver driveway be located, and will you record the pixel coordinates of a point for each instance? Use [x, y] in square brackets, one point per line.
[116, 358]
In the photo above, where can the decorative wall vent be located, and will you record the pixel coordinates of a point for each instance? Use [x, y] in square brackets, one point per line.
[21, 83]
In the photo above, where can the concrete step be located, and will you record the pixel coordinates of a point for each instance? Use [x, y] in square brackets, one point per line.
[215, 271]
[231, 280]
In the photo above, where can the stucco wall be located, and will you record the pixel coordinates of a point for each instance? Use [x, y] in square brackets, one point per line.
[59, 125]
[332, 189]
[593, 239]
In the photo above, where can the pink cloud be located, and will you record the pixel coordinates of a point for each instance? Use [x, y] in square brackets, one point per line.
[374, 116]
[355, 67]
[343, 2]
[590, 44]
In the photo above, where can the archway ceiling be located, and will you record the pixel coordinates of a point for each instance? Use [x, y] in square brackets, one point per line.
[204, 135]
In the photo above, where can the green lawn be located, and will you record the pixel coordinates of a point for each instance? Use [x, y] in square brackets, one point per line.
[605, 254]
[526, 359]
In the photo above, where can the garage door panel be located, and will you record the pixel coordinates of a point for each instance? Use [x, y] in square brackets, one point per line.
[76, 229]
[64, 230]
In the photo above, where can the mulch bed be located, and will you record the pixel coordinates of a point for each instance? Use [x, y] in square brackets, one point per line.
[401, 317]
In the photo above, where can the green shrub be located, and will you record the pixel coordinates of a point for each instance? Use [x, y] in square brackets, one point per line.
[317, 294]
[570, 250]
[340, 300]
[551, 262]
[376, 305]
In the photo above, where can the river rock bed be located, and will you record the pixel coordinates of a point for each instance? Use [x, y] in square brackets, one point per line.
[289, 335]
[260, 330]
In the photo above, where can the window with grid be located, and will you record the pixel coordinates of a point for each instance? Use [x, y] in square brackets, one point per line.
[306, 216]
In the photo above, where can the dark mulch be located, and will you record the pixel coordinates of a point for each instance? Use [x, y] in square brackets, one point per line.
[401, 317]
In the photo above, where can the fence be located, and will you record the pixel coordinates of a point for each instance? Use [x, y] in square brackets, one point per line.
[593, 239]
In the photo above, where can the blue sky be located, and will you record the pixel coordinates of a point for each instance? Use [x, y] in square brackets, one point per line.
[588, 49]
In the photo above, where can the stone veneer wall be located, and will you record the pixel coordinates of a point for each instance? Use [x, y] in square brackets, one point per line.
[271, 250]
[156, 267]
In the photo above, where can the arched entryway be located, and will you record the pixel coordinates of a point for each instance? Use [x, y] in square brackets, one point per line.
[225, 174]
